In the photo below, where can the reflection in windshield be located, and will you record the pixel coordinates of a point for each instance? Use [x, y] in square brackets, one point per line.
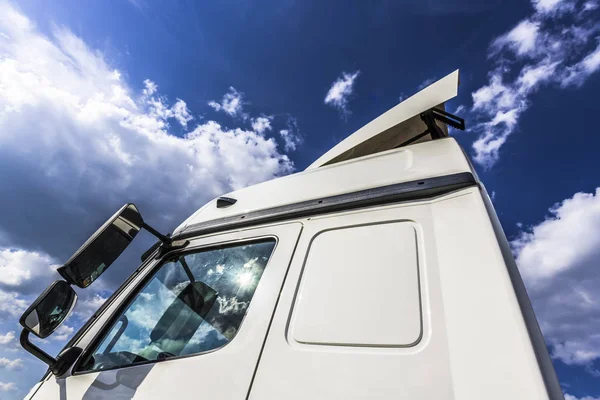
[194, 303]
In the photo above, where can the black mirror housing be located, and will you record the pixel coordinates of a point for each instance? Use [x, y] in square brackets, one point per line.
[49, 310]
[103, 247]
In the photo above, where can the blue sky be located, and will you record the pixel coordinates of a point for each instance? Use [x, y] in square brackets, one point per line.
[169, 104]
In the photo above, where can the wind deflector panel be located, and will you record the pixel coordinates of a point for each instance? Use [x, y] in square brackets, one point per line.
[396, 136]
[394, 127]
[414, 190]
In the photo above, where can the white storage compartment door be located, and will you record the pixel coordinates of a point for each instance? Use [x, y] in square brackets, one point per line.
[360, 287]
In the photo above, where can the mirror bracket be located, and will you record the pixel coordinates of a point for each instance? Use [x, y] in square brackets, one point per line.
[164, 245]
[58, 365]
[65, 360]
[164, 248]
[36, 351]
[168, 243]
[172, 245]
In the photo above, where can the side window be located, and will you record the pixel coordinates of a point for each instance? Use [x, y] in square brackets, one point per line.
[194, 303]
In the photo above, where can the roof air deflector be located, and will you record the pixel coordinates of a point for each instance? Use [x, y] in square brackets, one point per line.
[396, 126]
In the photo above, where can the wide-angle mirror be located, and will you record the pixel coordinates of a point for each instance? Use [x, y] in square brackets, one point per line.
[49, 310]
[103, 247]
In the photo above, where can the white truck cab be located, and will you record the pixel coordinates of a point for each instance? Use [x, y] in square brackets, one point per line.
[380, 272]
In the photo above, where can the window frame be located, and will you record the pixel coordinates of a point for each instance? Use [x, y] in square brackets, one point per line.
[152, 270]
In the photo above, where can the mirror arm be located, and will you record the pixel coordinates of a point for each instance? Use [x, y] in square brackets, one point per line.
[167, 243]
[36, 351]
[163, 238]
[58, 365]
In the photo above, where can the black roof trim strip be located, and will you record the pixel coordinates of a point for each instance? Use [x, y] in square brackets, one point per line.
[420, 189]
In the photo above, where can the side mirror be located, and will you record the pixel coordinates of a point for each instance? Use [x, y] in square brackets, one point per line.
[42, 318]
[103, 247]
[49, 310]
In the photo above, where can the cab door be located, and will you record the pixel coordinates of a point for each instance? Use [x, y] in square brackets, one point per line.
[178, 331]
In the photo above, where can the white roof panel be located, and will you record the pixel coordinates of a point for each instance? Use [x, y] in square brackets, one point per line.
[410, 163]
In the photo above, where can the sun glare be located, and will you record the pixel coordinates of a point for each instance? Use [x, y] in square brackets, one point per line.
[245, 279]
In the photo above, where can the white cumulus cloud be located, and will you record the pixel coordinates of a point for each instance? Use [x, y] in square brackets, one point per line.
[340, 91]
[7, 386]
[159, 108]
[291, 141]
[577, 74]
[7, 338]
[552, 6]
[18, 267]
[232, 103]
[77, 142]
[539, 51]
[93, 144]
[590, 5]
[504, 103]
[62, 333]
[522, 38]
[149, 88]
[262, 124]
[15, 364]
[86, 307]
[558, 259]
[291, 136]
[570, 397]
[11, 304]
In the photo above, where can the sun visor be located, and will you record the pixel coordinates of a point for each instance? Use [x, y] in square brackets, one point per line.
[396, 126]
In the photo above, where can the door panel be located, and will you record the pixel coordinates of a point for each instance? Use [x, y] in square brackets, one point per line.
[378, 339]
[474, 342]
[224, 373]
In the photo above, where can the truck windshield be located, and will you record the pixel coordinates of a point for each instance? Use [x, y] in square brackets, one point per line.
[193, 303]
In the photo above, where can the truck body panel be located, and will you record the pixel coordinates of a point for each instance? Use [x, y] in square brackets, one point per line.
[474, 340]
